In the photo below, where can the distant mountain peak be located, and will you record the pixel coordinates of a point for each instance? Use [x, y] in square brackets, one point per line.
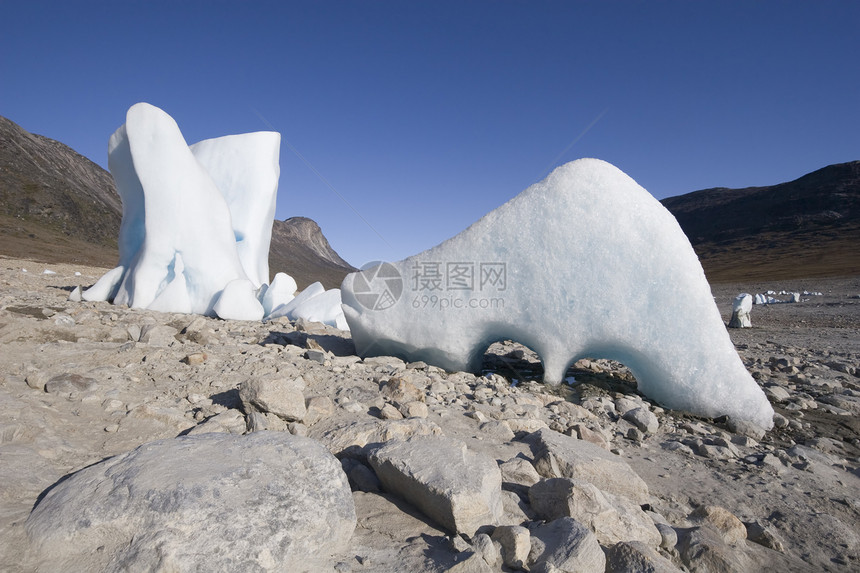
[298, 242]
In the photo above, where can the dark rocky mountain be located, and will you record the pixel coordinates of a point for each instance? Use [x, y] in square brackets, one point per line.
[299, 246]
[806, 228]
[58, 206]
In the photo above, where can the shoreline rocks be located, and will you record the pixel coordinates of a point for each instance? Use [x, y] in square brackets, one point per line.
[638, 492]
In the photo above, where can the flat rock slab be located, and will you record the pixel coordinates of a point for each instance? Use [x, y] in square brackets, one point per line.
[214, 502]
[67, 383]
[557, 455]
[457, 488]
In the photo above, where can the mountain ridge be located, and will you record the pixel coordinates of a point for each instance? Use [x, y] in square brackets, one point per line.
[806, 227]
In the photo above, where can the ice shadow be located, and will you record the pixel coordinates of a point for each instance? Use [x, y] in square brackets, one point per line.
[229, 399]
[337, 345]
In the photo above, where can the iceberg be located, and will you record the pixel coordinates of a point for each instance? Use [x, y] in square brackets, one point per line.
[195, 220]
[585, 263]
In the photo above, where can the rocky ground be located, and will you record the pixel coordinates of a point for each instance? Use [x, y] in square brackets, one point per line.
[441, 471]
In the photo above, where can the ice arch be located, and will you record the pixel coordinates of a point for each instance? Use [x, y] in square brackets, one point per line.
[584, 263]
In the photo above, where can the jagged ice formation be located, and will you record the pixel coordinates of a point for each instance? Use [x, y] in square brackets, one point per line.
[197, 225]
[183, 238]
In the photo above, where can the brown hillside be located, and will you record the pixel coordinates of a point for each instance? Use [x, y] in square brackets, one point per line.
[809, 227]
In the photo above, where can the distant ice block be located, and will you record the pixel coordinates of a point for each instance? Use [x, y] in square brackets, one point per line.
[766, 299]
[741, 309]
[183, 239]
[585, 263]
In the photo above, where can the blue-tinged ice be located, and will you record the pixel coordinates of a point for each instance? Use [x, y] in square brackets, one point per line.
[177, 243]
[585, 263]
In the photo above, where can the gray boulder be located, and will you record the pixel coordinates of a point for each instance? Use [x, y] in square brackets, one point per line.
[565, 545]
[643, 418]
[215, 502]
[557, 455]
[705, 549]
[515, 542]
[636, 557]
[158, 334]
[70, 383]
[279, 396]
[457, 488]
[612, 518]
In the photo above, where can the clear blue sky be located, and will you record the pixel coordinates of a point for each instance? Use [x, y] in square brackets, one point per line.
[426, 115]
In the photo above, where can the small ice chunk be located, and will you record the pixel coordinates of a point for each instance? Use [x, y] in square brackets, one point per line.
[585, 263]
[324, 307]
[314, 304]
[281, 291]
[75, 295]
[49, 272]
[287, 309]
[238, 301]
[106, 287]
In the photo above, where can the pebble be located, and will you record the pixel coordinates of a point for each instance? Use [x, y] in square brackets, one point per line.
[195, 359]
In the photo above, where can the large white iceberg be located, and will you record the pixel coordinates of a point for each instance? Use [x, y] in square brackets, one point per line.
[585, 263]
[197, 226]
[193, 221]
